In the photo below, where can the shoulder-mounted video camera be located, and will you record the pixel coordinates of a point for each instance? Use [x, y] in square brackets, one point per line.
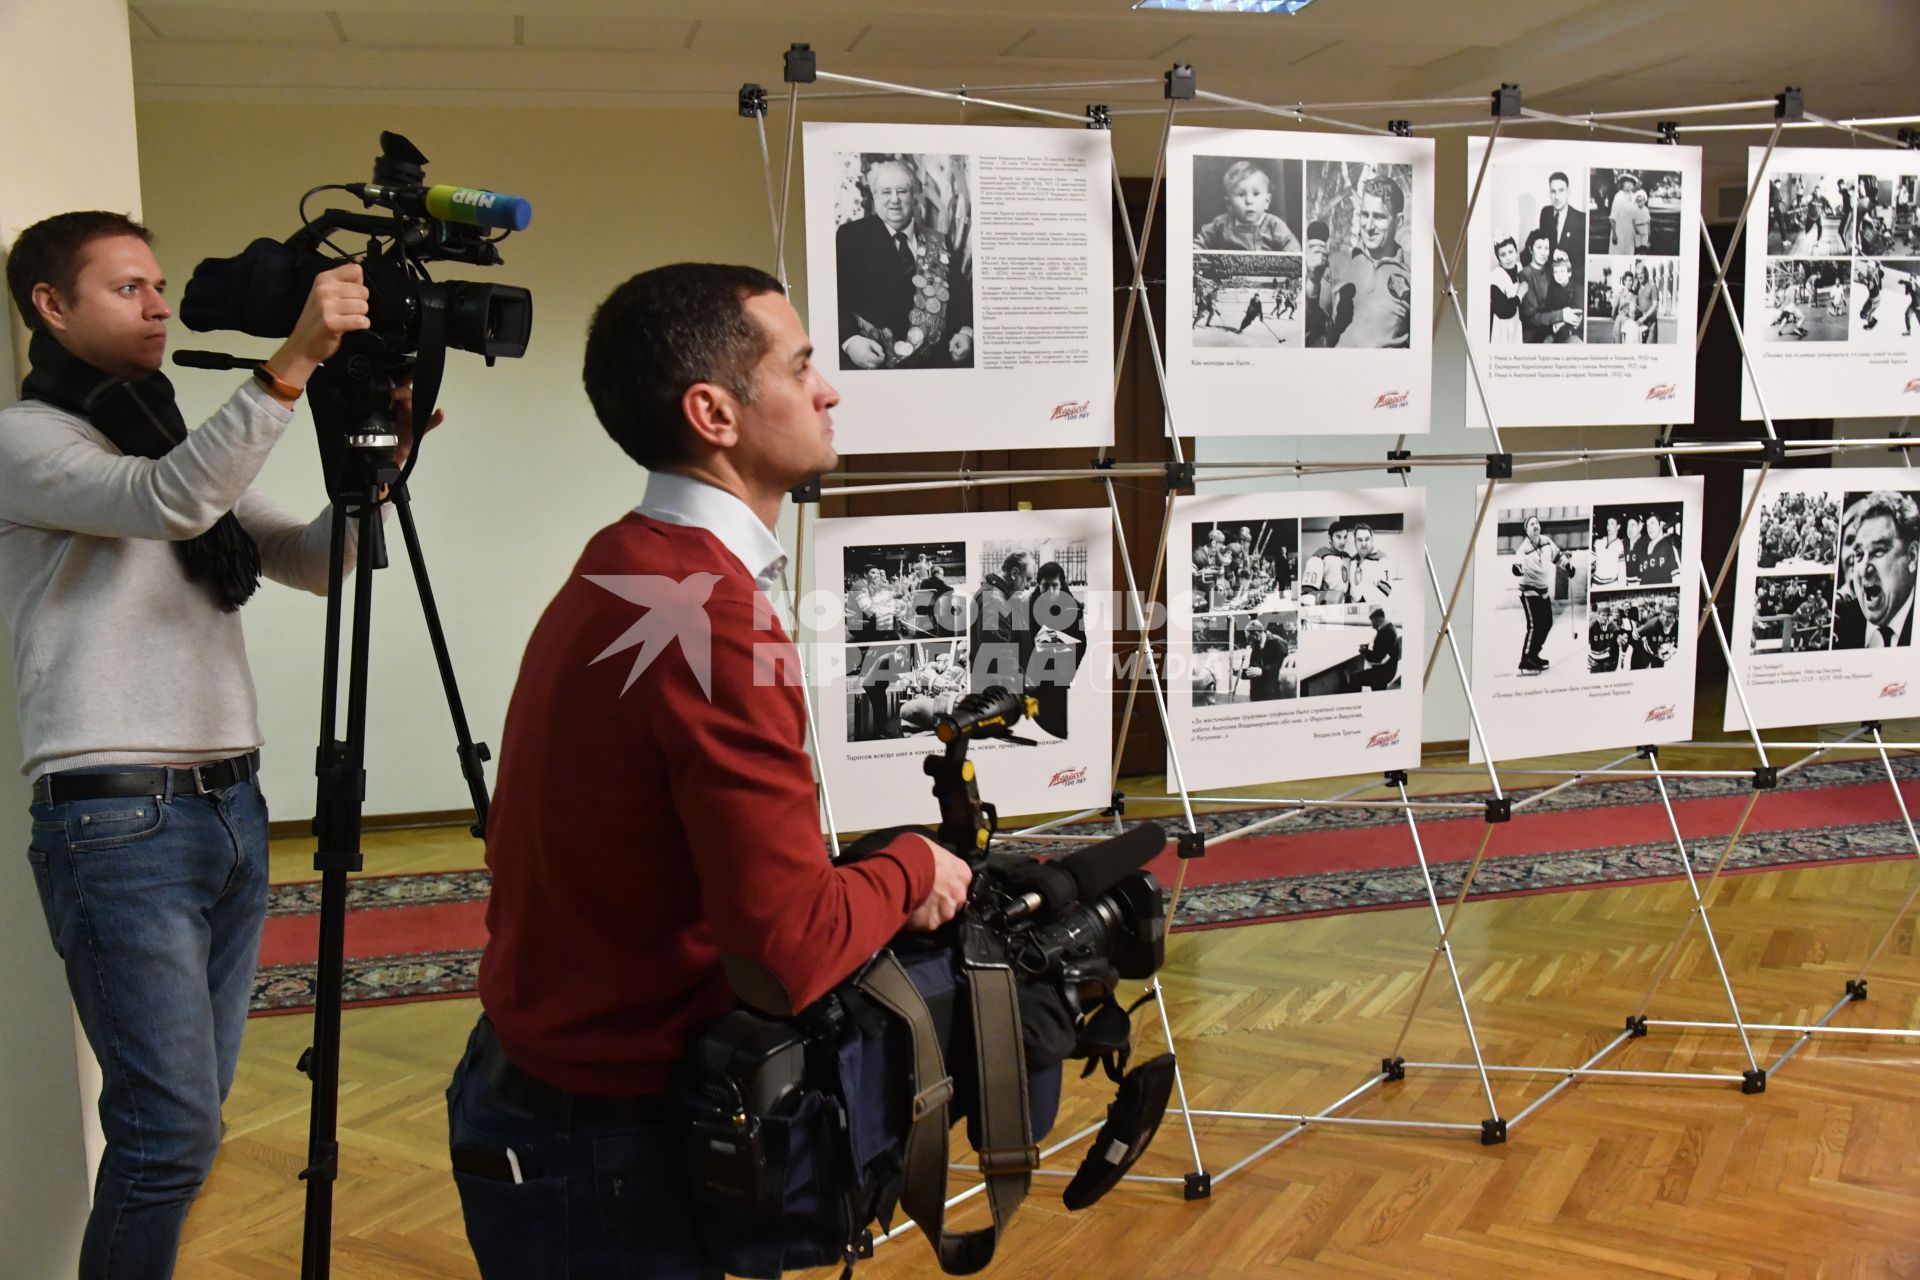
[414, 319]
[806, 1126]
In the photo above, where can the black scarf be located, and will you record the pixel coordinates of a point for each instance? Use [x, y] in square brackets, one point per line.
[143, 421]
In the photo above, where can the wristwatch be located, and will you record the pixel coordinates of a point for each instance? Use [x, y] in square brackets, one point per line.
[275, 387]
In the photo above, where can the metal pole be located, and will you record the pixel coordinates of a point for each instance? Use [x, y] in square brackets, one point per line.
[1700, 908]
[1739, 229]
[1136, 250]
[1446, 948]
[965, 99]
[786, 179]
[1587, 122]
[1913, 838]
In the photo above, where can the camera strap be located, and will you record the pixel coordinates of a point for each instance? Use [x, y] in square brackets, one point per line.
[1007, 1154]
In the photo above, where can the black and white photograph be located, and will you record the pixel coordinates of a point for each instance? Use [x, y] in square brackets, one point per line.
[1807, 300]
[1884, 221]
[1027, 630]
[1358, 270]
[898, 690]
[1879, 545]
[1246, 203]
[1810, 215]
[1351, 648]
[1248, 300]
[905, 590]
[1239, 658]
[1308, 602]
[934, 342]
[1541, 572]
[1637, 544]
[1633, 212]
[1842, 276]
[903, 257]
[1633, 301]
[1798, 530]
[1581, 244]
[1792, 613]
[1884, 225]
[1885, 308]
[917, 610]
[1356, 559]
[1580, 588]
[1282, 245]
[1632, 630]
[1540, 209]
[1250, 565]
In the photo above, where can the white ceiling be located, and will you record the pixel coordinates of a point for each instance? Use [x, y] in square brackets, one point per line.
[1854, 57]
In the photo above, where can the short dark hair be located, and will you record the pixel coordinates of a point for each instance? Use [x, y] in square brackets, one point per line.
[660, 333]
[49, 252]
[1559, 177]
[1387, 192]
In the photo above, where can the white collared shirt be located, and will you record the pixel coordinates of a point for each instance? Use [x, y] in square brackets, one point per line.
[676, 499]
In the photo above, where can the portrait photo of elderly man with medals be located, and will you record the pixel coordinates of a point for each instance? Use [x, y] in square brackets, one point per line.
[905, 265]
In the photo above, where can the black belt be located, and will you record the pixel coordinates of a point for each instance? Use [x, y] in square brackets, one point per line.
[517, 1091]
[199, 779]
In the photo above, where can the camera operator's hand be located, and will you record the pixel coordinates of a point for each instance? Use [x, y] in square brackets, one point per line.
[951, 878]
[336, 306]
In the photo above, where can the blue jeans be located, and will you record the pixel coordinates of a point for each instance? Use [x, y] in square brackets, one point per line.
[155, 905]
[593, 1202]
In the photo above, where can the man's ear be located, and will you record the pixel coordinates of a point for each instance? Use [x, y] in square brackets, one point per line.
[51, 306]
[712, 414]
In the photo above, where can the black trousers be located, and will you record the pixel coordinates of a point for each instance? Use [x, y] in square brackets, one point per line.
[1539, 611]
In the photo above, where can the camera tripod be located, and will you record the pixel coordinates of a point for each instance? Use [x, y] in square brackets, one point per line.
[352, 406]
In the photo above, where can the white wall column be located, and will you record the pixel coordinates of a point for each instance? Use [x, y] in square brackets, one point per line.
[66, 97]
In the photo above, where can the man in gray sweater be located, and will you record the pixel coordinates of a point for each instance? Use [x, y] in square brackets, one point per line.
[127, 545]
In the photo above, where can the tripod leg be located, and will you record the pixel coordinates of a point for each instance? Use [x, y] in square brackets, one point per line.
[341, 769]
[473, 755]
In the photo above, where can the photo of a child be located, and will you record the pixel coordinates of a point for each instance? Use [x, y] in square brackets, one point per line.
[1250, 205]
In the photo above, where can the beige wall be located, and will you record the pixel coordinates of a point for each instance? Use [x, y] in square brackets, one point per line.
[61, 149]
[522, 475]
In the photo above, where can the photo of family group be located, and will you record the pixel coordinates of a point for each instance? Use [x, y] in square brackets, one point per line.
[1302, 253]
[1843, 259]
[923, 632]
[1299, 608]
[1835, 571]
[1584, 589]
[1584, 255]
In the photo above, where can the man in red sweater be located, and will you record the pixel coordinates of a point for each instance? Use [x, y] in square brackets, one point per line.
[655, 806]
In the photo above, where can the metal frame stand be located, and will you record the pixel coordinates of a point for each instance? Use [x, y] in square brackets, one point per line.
[1181, 94]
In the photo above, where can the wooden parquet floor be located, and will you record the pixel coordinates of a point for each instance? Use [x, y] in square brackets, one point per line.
[1818, 1177]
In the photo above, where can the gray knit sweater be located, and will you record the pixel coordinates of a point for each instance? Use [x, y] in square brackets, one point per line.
[117, 657]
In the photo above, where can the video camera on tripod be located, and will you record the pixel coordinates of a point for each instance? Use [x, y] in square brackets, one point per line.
[413, 322]
[806, 1126]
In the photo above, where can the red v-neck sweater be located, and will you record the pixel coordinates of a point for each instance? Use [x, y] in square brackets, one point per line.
[637, 835]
